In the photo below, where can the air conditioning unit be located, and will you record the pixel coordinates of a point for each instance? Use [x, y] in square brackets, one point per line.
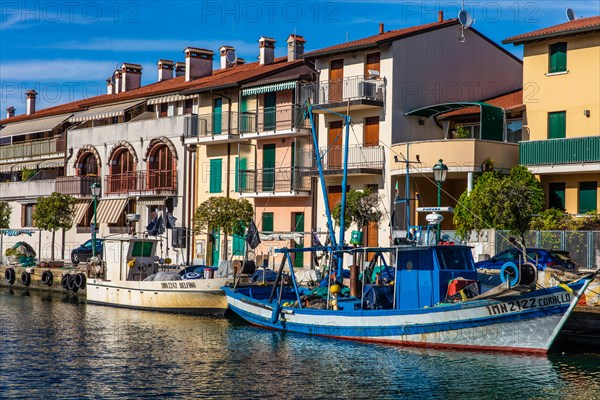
[367, 90]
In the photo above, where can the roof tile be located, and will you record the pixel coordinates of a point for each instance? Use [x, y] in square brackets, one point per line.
[571, 27]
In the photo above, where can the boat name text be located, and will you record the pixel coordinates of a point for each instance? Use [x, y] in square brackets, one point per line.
[525, 304]
[174, 285]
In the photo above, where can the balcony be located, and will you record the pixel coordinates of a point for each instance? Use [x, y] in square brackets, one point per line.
[142, 183]
[31, 189]
[274, 181]
[34, 148]
[356, 93]
[361, 160]
[78, 186]
[554, 152]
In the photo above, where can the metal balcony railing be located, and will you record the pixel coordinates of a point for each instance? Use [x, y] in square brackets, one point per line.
[272, 180]
[153, 181]
[76, 185]
[332, 158]
[339, 90]
[33, 148]
[560, 151]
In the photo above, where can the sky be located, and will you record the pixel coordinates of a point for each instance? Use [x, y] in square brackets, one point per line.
[66, 49]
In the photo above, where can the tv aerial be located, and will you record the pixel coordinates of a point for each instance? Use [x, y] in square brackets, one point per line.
[465, 20]
[570, 14]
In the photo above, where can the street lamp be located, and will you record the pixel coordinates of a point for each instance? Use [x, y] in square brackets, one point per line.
[95, 189]
[440, 170]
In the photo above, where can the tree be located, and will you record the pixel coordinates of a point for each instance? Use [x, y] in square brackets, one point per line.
[4, 215]
[228, 215]
[53, 213]
[506, 202]
[362, 207]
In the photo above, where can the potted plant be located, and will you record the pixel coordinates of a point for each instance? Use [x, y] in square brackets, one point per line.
[462, 132]
[487, 165]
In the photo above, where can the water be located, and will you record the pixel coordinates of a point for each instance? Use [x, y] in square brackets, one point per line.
[55, 347]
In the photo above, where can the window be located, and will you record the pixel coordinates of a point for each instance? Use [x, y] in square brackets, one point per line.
[514, 131]
[556, 195]
[164, 109]
[188, 106]
[267, 222]
[172, 110]
[372, 63]
[558, 58]
[27, 211]
[371, 131]
[557, 125]
[454, 258]
[241, 164]
[216, 168]
[588, 197]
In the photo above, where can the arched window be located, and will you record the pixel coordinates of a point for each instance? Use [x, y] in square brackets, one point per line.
[88, 165]
[161, 168]
[122, 171]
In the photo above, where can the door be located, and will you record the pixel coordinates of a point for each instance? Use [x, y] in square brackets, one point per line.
[334, 144]
[268, 168]
[215, 240]
[298, 227]
[372, 64]
[334, 196]
[336, 75]
[269, 111]
[371, 131]
[245, 122]
[217, 116]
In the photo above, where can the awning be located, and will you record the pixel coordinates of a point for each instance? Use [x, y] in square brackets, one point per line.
[6, 167]
[55, 163]
[28, 165]
[113, 110]
[169, 98]
[81, 209]
[151, 201]
[269, 88]
[491, 118]
[109, 210]
[33, 125]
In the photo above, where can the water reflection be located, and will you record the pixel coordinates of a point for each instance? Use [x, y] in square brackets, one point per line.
[52, 346]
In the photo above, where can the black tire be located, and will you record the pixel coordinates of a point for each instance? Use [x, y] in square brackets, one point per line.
[64, 282]
[71, 284]
[25, 278]
[47, 278]
[80, 280]
[75, 258]
[9, 275]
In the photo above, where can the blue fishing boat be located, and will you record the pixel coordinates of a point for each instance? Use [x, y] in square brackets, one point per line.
[429, 297]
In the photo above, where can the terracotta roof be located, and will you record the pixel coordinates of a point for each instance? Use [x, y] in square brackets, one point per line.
[508, 101]
[220, 78]
[576, 26]
[375, 40]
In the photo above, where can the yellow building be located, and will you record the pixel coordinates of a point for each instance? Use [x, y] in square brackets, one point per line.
[561, 91]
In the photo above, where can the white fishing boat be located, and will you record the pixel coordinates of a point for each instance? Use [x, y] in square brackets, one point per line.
[131, 276]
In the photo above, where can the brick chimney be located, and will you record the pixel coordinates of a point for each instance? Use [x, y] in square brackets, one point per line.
[440, 16]
[110, 87]
[223, 53]
[165, 69]
[179, 68]
[267, 50]
[198, 63]
[381, 28]
[10, 112]
[132, 76]
[31, 94]
[295, 46]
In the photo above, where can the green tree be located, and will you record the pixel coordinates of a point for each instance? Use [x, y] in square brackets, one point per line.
[506, 202]
[229, 215]
[4, 215]
[53, 213]
[362, 207]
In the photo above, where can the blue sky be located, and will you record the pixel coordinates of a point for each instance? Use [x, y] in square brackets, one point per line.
[66, 49]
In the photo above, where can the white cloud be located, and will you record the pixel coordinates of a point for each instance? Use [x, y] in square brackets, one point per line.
[57, 70]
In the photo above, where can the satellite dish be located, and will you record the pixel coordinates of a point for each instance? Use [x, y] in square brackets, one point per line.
[230, 57]
[570, 14]
[465, 19]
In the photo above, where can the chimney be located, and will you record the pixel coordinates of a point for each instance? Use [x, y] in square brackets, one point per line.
[165, 70]
[440, 16]
[223, 51]
[31, 101]
[10, 112]
[110, 87]
[179, 68]
[198, 63]
[240, 61]
[117, 78]
[295, 47]
[267, 50]
[381, 28]
[132, 77]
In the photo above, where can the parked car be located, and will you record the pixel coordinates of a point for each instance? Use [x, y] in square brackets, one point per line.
[542, 258]
[84, 252]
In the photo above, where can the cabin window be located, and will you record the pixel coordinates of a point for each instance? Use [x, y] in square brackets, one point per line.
[454, 258]
[558, 58]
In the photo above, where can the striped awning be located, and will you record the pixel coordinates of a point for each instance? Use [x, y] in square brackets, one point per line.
[33, 125]
[109, 210]
[169, 98]
[81, 209]
[6, 167]
[113, 110]
[28, 165]
[269, 88]
[52, 163]
[151, 201]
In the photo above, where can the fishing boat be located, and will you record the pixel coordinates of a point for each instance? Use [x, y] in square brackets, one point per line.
[431, 297]
[132, 277]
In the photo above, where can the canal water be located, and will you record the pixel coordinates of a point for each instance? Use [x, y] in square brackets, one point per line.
[55, 347]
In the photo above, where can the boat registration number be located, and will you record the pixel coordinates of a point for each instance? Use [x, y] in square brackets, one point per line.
[525, 304]
[178, 285]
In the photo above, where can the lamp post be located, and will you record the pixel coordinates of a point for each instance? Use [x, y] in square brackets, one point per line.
[440, 170]
[95, 189]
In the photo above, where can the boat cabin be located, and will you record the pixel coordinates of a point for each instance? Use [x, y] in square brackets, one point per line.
[129, 258]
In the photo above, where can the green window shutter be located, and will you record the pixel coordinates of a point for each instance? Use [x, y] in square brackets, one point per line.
[588, 196]
[239, 242]
[244, 177]
[269, 111]
[267, 222]
[217, 116]
[298, 227]
[557, 125]
[558, 57]
[268, 167]
[237, 174]
[556, 195]
[216, 168]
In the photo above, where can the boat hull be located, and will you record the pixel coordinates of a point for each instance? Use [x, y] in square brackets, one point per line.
[527, 323]
[199, 296]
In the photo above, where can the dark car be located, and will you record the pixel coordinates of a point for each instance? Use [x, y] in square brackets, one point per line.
[542, 258]
[84, 252]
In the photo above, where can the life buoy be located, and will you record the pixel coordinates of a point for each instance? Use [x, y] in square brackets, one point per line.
[64, 282]
[9, 275]
[71, 283]
[25, 278]
[191, 275]
[47, 278]
[509, 273]
[80, 280]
